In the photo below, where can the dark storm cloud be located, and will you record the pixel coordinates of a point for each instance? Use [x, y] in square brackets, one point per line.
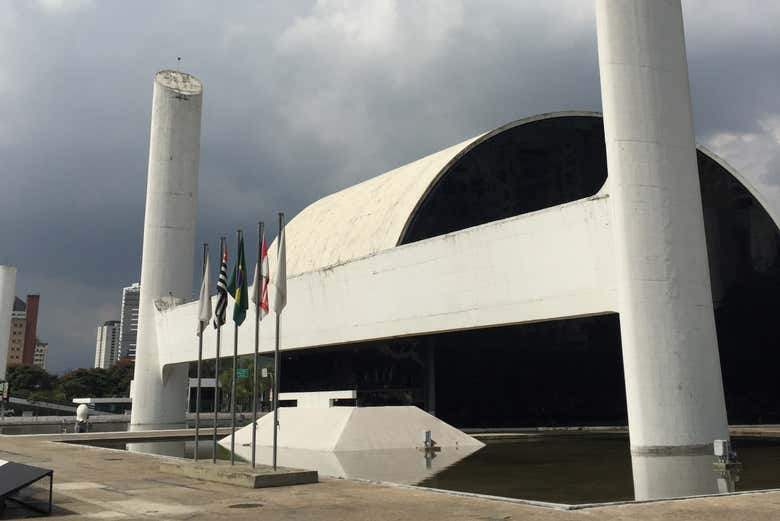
[300, 99]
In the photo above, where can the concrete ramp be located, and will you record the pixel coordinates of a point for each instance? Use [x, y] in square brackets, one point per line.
[340, 429]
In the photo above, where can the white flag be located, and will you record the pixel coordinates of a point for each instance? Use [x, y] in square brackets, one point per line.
[255, 295]
[204, 304]
[280, 277]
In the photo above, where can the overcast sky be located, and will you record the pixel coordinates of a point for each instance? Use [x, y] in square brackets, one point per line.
[301, 98]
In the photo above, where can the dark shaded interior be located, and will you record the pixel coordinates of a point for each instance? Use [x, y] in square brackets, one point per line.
[523, 169]
[560, 372]
[569, 371]
[744, 256]
[388, 372]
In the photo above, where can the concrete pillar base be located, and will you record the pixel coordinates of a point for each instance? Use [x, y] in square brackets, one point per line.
[673, 450]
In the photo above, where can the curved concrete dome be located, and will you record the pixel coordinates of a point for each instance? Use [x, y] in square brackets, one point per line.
[372, 216]
[379, 213]
[362, 219]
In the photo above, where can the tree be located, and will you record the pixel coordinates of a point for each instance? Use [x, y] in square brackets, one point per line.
[84, 383]
[29, 378]
[81, 383]
[97, 383]
[120, 375]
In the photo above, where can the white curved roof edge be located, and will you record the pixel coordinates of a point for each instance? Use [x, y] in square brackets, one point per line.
[742, 179]
[481, 139]
[362, 219]
[373, 215]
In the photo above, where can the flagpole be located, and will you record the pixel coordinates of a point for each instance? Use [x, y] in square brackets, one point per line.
[216, 396]
[235, 367]
[258, 302]
[216, 364]
[200, 359]
[276, 349]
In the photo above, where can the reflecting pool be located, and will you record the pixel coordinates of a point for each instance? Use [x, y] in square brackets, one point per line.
[60, 428]
[570, 469]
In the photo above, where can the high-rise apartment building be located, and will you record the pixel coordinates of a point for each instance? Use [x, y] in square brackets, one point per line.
[23, 334]
[41, 349]
[107, 344]
[16, 338]
[129, 321]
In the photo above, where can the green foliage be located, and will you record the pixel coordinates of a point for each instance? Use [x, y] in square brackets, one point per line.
[96, 383]
[46, 396]
[29, 378]
[82, 383]
[120, 374]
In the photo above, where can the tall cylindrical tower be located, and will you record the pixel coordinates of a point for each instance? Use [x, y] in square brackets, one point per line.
[674, 387]
[7, 296]
[159, 397]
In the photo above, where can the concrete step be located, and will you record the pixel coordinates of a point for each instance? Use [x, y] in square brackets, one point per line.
[241, 475]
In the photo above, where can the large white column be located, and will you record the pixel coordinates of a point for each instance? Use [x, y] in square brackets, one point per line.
[674, 388]
[169, 240]
[7, 296]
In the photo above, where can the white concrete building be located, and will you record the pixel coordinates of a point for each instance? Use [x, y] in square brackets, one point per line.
[477, 290]
[107, 344]
[7, 298]
[128, 321]
[510, 281]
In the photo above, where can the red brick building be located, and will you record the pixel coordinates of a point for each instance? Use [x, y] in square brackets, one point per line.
[24, 329]
[30, 329]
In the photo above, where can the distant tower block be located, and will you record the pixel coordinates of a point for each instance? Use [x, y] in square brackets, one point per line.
[674, 387]
[7, 296]
[169, 240]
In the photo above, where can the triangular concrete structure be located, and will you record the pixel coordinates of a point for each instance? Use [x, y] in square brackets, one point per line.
[409, 466]
[338, 429]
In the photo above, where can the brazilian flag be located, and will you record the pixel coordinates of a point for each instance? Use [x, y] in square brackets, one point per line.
[237, 286]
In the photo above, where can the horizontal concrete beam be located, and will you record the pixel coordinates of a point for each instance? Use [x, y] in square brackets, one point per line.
[550, 264]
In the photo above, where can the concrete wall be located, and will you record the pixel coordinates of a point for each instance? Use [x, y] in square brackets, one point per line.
[544, 265]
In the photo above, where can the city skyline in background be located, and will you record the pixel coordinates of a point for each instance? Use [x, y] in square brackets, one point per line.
[116, 339]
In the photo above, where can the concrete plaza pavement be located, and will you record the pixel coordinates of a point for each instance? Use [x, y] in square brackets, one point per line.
[95, 483]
